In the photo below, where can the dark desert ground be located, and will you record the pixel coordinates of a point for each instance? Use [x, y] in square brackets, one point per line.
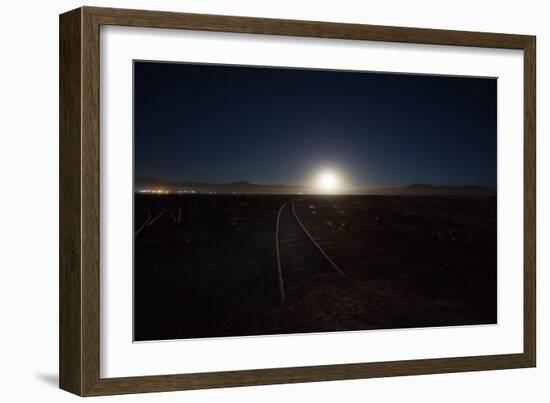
[206, 265]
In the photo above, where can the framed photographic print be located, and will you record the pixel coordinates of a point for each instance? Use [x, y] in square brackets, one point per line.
[249, 201]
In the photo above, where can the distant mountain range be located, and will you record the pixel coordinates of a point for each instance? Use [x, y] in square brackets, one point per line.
[422, 188]
[146, 184]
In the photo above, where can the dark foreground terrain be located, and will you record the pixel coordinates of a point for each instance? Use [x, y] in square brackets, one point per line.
[207, 265]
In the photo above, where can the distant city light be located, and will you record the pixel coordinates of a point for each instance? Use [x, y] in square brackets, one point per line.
[175, 191]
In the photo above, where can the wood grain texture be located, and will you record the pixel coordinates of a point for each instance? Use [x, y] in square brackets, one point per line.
[161, 383]
[70, 313]
[222, 23]
[79, 201]
[90, 201]
[530, 200]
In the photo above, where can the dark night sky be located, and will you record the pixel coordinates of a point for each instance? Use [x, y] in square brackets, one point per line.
[213, 123]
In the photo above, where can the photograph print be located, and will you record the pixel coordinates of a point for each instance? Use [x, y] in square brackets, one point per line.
[275, 201]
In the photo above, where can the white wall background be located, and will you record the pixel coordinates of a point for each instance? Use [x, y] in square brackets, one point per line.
[29, 202]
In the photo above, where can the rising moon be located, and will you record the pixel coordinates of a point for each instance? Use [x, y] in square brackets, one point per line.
[327, 182]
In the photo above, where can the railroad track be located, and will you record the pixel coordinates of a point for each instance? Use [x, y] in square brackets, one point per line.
[142, 226]
[299, 256]
[150, 220]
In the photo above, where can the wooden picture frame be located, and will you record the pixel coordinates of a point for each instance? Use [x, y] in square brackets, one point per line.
[79, 201]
